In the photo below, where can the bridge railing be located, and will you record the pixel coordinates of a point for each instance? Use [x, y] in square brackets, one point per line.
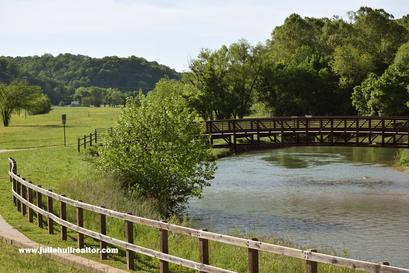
[391, 124]
[28, 198]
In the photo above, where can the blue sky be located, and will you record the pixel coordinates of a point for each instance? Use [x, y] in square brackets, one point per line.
[169, 32]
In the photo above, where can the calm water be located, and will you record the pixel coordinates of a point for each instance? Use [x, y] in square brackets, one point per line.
[325, 197]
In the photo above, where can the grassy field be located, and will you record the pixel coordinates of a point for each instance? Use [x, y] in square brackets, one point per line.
[46, 130]
[68, 172]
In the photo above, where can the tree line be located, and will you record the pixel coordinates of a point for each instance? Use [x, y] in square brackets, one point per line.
[309, 66]
[60, 76]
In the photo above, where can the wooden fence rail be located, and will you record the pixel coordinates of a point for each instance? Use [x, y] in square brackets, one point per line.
[311, 257]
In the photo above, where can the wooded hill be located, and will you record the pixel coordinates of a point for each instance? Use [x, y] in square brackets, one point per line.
[61, 75]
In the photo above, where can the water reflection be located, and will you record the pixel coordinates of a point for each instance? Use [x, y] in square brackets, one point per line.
[324, 197]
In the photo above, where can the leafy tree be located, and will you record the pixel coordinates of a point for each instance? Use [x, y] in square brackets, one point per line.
[16, 96]
[42, 106]
[225, 80]
[387, 94]
[114, 97]
[158, 150]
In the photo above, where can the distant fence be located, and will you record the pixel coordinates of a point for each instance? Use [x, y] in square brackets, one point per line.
[27, 195]
[92, 138]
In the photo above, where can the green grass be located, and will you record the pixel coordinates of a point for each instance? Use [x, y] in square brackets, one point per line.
[404, 158]
[68, 172]
[47, 130]
[12, 261]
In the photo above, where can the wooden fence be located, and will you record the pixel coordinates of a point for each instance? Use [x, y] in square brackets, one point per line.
[92, 138]
[28, 198]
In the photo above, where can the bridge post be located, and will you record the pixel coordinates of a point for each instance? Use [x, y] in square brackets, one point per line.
[234, 137]
[383, 131]
[357, 131]
[258, 132]
[307, 130]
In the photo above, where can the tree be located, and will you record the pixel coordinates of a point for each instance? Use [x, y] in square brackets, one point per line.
[16, 96]
[225, 81]
[158, 150]
[42, 106]
[388, 93]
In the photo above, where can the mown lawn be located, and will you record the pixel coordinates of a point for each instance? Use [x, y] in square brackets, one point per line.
[27, 131]
[66, 171]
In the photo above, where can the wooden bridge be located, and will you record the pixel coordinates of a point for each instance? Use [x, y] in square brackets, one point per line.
[243, 134]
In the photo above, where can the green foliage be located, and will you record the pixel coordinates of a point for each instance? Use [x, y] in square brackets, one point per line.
[42, 106]
[157, 149]
[16, 96]
[225, 81]
[309, 66]
[387, 94]
[61, 75]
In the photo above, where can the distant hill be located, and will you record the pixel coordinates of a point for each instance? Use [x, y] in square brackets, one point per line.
[61, 75]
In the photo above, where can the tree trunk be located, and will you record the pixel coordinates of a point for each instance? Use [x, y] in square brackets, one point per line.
[6, 118]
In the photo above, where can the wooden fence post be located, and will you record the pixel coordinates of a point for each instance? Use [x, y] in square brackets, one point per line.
[80, 223]
[129, 238]
[312, 267]
[96, 136]
[18, 186]
[253, 259]
[90, 139]
[40, 205]
[50, 210]
[13, 169]
[203, 250]
[24, 195]
[63, 216]
[79, 144]
[30, 199]
[85, 141]
[164, 248]
[102, 230]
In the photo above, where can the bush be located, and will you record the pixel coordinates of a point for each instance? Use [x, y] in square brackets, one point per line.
[41, 106]
[158, 150]
[404, 158]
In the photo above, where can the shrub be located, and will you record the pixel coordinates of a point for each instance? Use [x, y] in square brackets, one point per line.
[158, 150]
[41, 106]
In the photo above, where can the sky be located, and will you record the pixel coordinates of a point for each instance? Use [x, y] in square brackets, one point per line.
[169, 32]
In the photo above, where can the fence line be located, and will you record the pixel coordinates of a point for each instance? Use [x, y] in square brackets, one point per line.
[20, 186]
[92, 138]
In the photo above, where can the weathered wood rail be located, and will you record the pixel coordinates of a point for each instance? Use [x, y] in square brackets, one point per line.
[239, 134]
[28, 195]
[92, 138]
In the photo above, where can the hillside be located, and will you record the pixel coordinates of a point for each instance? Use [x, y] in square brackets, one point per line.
[60, 75]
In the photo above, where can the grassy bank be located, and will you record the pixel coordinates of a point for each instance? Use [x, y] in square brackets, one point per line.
[12, 261]
[68, 172]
